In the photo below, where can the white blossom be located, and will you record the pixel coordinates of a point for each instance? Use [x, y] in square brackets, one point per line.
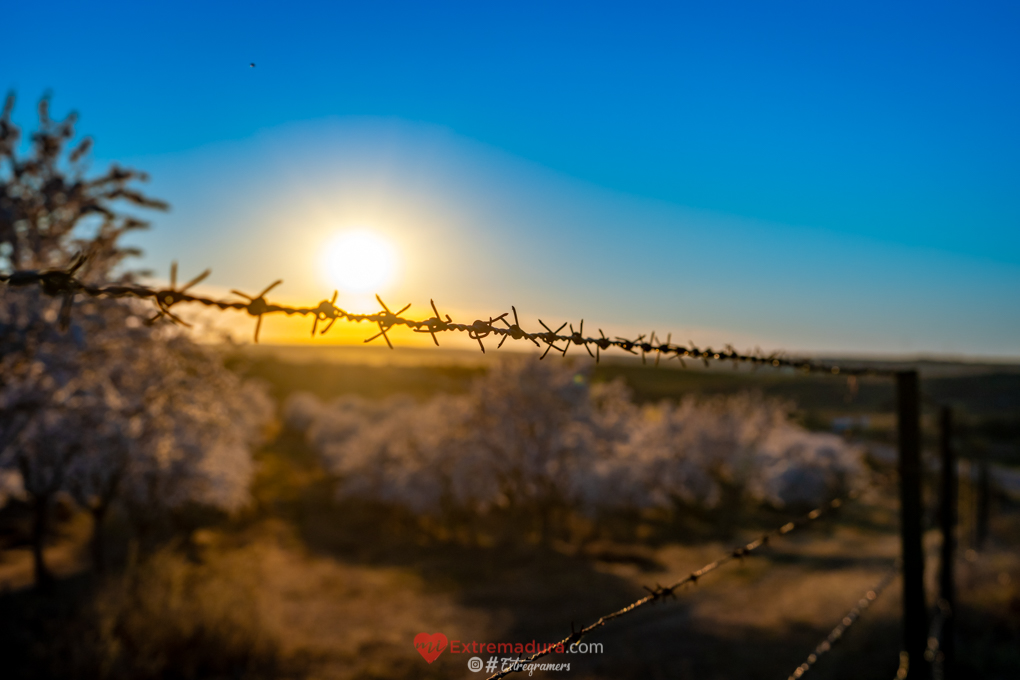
[538, 434]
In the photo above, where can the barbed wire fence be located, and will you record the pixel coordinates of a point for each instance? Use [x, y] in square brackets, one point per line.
[660, 592]
[66, 284]
[851, 617]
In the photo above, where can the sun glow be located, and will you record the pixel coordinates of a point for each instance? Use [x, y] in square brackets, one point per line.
[359, 262]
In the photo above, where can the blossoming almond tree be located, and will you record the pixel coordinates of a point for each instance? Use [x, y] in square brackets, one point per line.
[97, 402]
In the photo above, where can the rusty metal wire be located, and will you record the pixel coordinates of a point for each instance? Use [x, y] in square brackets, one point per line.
[65, 283]
[851, 617]
[660, 592]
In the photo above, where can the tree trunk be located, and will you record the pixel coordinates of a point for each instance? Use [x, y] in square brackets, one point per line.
[40, 527]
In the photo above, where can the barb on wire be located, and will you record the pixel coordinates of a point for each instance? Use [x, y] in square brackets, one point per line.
[325, 310]
[65, 283]
[257, 306]
[513, 331]
[387, 320]
[550, 337]
[669, 591]
[166, 299]
[851, 617]
[436, 323]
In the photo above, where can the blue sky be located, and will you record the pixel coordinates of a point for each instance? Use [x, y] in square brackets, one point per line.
[815, 176]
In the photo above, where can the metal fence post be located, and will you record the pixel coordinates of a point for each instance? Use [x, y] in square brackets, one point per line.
[948, 520]
[915, 613]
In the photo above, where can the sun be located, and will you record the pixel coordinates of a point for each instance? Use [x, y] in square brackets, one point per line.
[359, 261]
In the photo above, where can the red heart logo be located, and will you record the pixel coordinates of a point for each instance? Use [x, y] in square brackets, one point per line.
[430, 646]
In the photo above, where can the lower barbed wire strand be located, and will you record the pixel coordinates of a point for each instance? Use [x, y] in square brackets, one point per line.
[848, 620]
[661, 592]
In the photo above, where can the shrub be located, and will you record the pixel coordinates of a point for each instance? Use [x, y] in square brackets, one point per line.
[537, 438]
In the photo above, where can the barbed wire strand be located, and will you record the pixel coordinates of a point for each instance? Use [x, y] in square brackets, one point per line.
[662, 592]
[64, 283]
[848, 620]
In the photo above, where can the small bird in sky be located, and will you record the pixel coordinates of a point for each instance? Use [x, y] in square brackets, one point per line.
[252, 64]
